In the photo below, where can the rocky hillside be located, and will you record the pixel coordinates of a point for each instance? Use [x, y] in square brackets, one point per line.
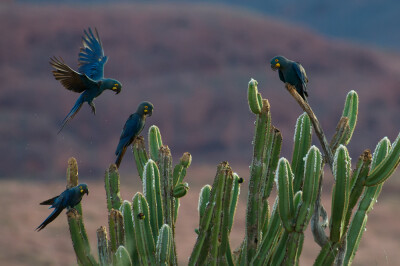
[193, 62]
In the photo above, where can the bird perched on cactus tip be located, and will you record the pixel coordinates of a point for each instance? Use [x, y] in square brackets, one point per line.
[133, 126]
[291, 72]
[68, 199]
[89, 79]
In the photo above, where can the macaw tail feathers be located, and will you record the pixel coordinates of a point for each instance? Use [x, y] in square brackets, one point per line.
[49, 201]
[119, 156]
[72, 113]
[49, 219]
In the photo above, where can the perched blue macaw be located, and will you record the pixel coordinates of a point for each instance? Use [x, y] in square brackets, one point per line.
[68, 199]
[291, 72]
[89, 80]
[133, 126]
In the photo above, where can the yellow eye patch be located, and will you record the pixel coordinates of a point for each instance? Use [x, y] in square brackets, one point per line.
[276, 60]
[146, 107]
[80, 187]
[116, 85]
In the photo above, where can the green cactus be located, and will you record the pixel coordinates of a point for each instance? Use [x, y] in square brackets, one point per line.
[164, 245]
[340, 194]
[102, 247]
[142, 232]
[253, 97]
[140, 154]
[213, 239]
[130, 239]
[155, 142]
[75, 221]
[121, 257]
[302, 142]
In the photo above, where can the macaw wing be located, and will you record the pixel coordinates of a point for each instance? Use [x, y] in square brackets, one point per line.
[91, 56]
[69, 78]
[301, 73]
[49, 201]
[132, 128]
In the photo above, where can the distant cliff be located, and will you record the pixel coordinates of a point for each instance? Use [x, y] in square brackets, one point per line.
[193, 63]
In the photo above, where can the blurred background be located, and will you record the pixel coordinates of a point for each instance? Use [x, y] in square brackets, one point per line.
[192, 60]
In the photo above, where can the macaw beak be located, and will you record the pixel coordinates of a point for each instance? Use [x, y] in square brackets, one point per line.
[150, 113]
[87, 191]
[276, 66]
[117, 90]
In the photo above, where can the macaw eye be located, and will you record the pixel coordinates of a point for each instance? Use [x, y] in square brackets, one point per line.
[276, 60]
[116, 85]
[80, 187]
[146, 107]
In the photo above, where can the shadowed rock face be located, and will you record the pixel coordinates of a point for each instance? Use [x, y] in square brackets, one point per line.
[193, 63]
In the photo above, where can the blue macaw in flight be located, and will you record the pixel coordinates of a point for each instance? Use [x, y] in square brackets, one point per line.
[89, 80]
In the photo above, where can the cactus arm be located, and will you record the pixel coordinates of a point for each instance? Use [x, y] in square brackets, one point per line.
[340, 194]
[204, 198]
[164, 245]
[130, 240]
[155, 142]
[219, 232]
[273, 161]
[82, 249]
[283, 179]
[206, 209]
[115, 221]
[72, 173]
[102, 246]
[312, 171]
[358, 178]
[150, 191]
[121, 257]
[143, 234]
[350, 111]
[253, 98]
[140, 154]
[274, 231]
[75, 218]
[302, 143]
[167, 186]
[263, 124]
[386, 168]
[279, 253]
[367, 201]
[342, 133]
[112, 188]
[294, 246]
[234, 199]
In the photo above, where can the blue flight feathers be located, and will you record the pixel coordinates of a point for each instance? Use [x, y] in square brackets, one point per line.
[89, 80]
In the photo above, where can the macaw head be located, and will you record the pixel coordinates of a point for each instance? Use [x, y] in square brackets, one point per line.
[111, 84]
[83, 188]
[278, 62]
[145, 108]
